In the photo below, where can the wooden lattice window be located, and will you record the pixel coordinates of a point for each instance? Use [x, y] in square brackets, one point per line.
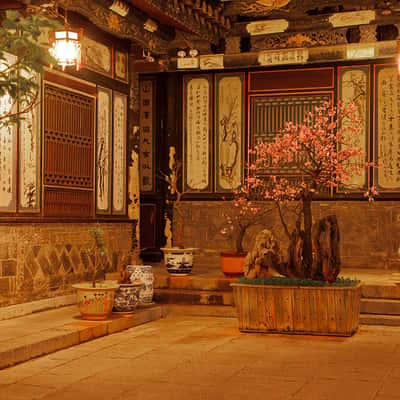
[68, 153]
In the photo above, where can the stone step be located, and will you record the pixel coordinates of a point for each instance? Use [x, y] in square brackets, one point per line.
[196, 297]
[188, 282]
[201, 311]
[193, 282]
[375, 319]
[58, 329]
[381, 291]
[380, 306]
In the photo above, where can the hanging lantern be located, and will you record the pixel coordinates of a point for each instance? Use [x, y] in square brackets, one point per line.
[66, 47]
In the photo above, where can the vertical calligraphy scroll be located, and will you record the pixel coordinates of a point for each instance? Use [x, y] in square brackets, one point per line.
[146, 157]
[119, 153]
[229, 131]
[197, 106]
[103, 151]
[387, 129]
[8, 150]
[354, 88]
[29, 155]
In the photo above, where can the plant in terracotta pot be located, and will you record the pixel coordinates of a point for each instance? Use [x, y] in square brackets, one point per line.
[243, 213]
[96, 299]
[178, 259]
[323, 155]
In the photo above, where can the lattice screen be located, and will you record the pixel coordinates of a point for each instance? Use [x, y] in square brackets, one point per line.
[68, 152]
[269, 114]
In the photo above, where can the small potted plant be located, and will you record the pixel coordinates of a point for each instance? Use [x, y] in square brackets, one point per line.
[178, 259]
[96, 299]
[243, 214]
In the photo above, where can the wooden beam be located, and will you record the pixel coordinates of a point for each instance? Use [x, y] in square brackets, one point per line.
[129, 27]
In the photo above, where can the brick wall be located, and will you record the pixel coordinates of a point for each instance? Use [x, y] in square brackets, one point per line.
[42, 260]
[370, 232]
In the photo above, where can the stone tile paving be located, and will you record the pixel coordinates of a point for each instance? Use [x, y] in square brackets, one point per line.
[185, 357]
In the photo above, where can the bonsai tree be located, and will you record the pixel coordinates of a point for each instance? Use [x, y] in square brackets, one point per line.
[22, 57]
[98, 251]
[322, 155]
[243, 214]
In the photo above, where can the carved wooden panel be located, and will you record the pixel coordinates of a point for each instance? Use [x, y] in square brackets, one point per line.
[67, 203]
[387, 128]
[103, 151]
[147, 144]
[300, 79]
[270, 113]
[229, 127]
[197, 120]
[8, 152]
[354, 88]
[29, 157]
[148, 228]
[68, 150]
[119, 153]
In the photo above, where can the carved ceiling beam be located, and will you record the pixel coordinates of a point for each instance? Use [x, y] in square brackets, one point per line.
[318, 22]
[298, 8]
[193, 16]
[130, 27]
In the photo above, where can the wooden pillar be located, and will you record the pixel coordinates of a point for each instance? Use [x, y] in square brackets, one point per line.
[133, 149]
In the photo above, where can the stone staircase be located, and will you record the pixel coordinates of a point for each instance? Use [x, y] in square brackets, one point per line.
[380, 303]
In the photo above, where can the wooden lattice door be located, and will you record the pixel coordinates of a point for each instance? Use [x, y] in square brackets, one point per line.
[68, 153]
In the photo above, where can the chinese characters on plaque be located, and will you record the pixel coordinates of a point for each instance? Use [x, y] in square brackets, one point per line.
[387, 139]
[29, 157]
[8, 152]
[354, 88]
[119, 159]
[146, 136]
[103, 150]
[197, 132]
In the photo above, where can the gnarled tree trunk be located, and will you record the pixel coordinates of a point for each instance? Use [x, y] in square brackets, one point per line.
[326, 247]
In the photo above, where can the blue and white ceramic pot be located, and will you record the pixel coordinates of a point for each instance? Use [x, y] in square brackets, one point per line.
[179, 261]
[127, 297]
[144, 275]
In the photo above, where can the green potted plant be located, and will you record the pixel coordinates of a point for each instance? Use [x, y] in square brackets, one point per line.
[96, 299]
[322, 151]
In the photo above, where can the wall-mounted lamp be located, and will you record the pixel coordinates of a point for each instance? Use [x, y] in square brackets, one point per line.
[120, 8]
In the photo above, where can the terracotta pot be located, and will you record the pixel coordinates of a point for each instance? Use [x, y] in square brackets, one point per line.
[232, 264]
[96, 303]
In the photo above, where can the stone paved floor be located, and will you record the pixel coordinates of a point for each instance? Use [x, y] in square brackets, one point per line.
[182, 357]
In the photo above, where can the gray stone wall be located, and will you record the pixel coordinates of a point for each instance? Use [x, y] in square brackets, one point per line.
[42, 260]
[370, 232]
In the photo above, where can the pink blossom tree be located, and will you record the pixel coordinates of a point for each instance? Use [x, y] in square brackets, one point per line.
[322, 155]
[243, 214]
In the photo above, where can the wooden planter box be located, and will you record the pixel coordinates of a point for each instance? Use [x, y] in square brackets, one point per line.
[298, 310]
